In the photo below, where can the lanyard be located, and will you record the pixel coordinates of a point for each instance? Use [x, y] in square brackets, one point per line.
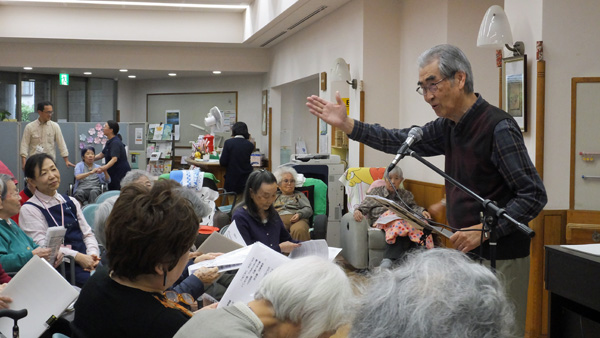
[62, 213]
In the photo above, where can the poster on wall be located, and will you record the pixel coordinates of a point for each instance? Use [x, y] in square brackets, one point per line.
[173, 117]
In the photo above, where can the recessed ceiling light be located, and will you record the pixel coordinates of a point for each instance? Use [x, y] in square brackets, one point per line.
[131, 76]
[123, 70]
[216, 72]
[172, 74]
[87, 73]
[28, 68]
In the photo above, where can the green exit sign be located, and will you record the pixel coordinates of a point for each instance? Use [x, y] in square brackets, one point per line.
[63, 79]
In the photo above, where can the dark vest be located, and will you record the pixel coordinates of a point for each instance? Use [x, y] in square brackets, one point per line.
[468, 160]
[73, 236]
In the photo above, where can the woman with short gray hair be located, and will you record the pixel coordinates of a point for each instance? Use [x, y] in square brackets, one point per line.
[435, 293]
[292, 206]
[137, 176]
[304, 298]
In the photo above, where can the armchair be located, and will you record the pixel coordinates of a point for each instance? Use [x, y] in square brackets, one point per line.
[362, 246]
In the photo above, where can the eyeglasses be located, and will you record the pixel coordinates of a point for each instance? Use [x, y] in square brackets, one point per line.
[288, 181]
[431, 88]
[175, 297]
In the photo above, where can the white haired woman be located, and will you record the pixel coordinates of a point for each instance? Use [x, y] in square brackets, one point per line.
[435, 293]
[292, 205]
[400, 236]
[305, 298]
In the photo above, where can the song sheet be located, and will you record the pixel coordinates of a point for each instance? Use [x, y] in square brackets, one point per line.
[407, 215]
[260, 261]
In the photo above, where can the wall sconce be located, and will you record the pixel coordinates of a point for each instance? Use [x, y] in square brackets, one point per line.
[495, 32]
[341, 72]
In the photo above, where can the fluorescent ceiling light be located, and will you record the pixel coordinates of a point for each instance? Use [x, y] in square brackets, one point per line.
[123, 70]
[131, 76]
[172, 74]
[28, 68]
[135, 3]
[87, 73]
[216, 72]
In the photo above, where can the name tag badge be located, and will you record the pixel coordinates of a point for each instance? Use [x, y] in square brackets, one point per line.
[39, 149]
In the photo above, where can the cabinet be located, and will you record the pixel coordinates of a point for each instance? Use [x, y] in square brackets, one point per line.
[339, 139]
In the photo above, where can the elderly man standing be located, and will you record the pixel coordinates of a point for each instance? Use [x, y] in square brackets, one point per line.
[484, 150]
[42, 135]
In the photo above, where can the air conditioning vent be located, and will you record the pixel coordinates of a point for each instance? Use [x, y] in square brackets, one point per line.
[317, 11]
[273, 38]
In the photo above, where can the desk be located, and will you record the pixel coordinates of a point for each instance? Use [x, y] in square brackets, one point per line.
[572, 281]
[212, 167]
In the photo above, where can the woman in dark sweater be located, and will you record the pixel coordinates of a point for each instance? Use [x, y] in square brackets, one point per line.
[236, 158]
[257, 219]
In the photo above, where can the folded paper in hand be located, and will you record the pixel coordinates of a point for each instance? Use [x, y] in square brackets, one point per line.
[54, 239]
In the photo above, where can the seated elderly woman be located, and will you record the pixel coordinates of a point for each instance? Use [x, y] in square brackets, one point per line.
[435, 293]
[148, 237]
[16, 248]
[137, 176]
[400, 236]
[256, 218]
[194, 284]
[47, 208]
[305, 298]
[88, 177]
[293, 206]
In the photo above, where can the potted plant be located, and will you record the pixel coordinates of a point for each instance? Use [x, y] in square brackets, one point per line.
[4, 114]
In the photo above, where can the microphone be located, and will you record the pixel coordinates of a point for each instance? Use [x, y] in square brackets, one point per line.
[414, 135]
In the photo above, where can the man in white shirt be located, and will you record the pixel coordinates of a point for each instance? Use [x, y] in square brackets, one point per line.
[41, 136]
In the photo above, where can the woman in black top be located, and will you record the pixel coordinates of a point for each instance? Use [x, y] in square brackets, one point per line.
[236, 158]
[114, 155]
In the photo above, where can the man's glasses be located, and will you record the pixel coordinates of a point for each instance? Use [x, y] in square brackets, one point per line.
[431, 88]
[175, 297]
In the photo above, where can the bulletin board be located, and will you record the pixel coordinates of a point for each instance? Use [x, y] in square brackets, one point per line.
[585, 148]
[193, 108]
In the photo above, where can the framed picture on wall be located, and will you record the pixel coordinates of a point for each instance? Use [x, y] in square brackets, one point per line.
[265, 112]
[514, 89]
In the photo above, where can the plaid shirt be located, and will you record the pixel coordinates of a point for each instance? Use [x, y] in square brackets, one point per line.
[509, 155]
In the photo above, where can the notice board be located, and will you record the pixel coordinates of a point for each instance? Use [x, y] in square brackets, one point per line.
[193, 108]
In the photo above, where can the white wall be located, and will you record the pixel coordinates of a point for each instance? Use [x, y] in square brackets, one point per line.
[294, 116]
[133, 97]
[312, 51]
[571, 46]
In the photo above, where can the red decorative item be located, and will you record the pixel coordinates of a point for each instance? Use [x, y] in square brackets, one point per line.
[210, 143]
[498, 58]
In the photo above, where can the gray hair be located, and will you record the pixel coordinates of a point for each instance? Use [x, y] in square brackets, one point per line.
[102, 213]
[396, 171]
[200, 208]
[134, 175]
[435, 293]
[3, 187]
[451, 60]
[311, 291]
[282, 170]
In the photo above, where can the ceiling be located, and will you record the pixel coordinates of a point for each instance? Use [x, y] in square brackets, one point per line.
[300, 14]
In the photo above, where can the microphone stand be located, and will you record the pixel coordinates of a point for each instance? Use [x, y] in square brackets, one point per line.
[491, 212]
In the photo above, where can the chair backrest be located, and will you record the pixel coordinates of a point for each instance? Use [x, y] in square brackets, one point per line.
[89, 213]
[106, 195]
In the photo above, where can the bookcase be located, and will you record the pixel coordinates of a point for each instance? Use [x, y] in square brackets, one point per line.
[160, 148]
